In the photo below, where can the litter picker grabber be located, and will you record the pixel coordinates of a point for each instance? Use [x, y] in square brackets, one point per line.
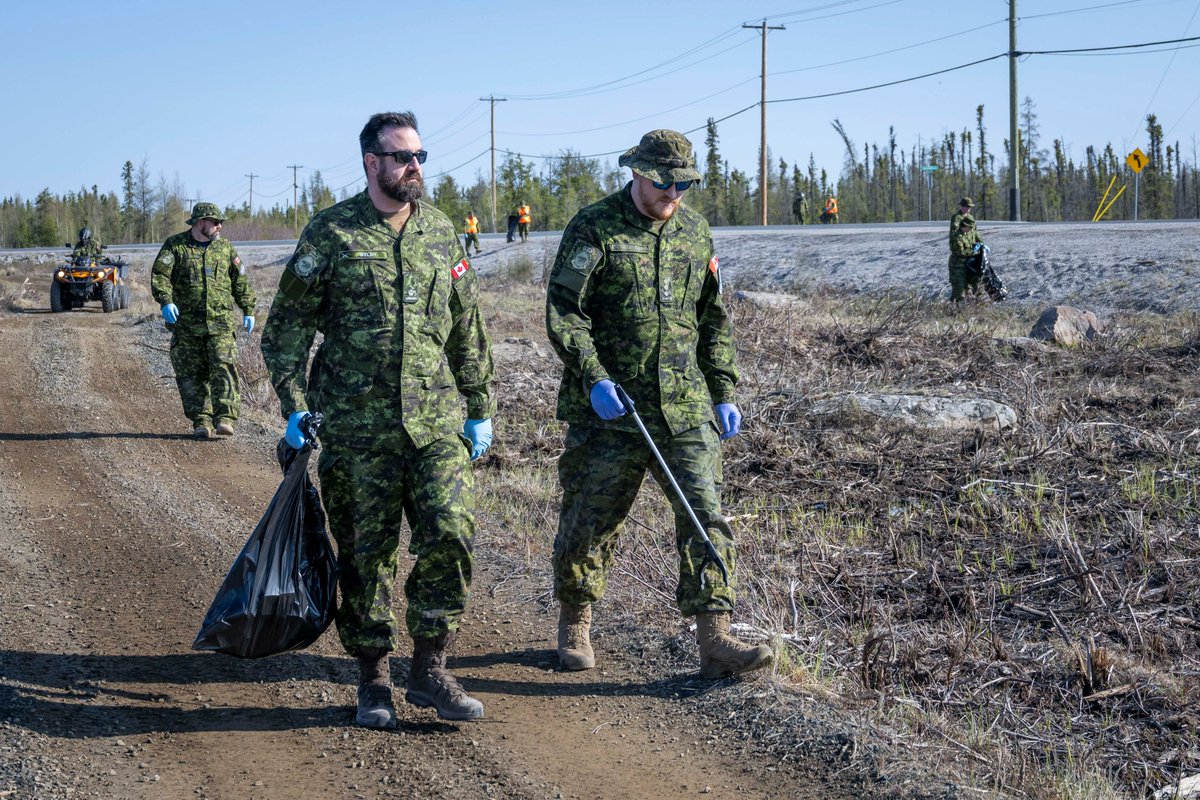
[711, 556]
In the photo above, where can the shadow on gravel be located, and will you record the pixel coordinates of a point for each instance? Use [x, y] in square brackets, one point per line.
[69, 435]
[79, 697]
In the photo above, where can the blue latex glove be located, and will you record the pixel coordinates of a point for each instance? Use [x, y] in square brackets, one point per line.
[479, 431]
[978, 246]
[730, 419]
[248, 323]
[605, 402]
[293, 435]
[170, 313]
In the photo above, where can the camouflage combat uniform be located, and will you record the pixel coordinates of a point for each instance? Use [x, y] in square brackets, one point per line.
[87, 247]
[403, 338]
[639, 302]
[204, 280]
[962, 245]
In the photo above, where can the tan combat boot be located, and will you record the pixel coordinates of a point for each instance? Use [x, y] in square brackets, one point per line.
[375, 709]
[721, 654]
[574, 642]
[430, 684]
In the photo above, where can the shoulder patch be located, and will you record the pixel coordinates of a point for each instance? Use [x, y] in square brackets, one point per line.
[714, 266]
[167, 258]
[584, 258]
[460, 269]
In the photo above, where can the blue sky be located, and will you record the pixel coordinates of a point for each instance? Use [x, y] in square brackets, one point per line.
[207, 93]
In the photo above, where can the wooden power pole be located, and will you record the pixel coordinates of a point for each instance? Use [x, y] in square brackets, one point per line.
[493, 101]
[252, 176]
[763, 177]
[1014, 130]
[295, 202]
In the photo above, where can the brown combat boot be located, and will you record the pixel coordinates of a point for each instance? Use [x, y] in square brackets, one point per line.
[375, 708]
[574, 642]
[430, 684]
[201, 431]
[721, 654]
[224, 428]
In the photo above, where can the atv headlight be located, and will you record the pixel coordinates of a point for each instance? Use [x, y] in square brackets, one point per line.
[60, 274]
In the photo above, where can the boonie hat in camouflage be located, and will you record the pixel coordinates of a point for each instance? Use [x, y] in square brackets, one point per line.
[205, 211]
[968, 221]
[966, 201]
[662, 156]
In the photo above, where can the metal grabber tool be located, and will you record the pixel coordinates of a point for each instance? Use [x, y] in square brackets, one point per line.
[711, 556]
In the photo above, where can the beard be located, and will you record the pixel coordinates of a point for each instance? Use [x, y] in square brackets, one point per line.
[401, 190]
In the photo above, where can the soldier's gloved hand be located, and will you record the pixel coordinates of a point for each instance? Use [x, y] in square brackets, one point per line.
[170, 313]
[479, 431]
[248, 323]
[605, 402]
[978, 246]
[730, 418]
[293, 435]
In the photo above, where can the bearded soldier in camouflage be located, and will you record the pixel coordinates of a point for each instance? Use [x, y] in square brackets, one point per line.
[635, 298]
[196, 278]
[383, 276]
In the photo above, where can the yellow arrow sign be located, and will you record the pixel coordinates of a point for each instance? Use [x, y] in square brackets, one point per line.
[1137, 160]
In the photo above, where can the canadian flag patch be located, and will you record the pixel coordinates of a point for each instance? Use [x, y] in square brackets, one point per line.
[714, 267]
[460, 269]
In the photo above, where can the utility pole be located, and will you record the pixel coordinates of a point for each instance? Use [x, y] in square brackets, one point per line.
[762, 156]
[295, 202]
[252, 176]
[493, 101]
[1014, 131]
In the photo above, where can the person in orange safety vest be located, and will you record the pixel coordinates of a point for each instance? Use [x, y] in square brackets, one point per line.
[830, 214]
[523, 219]
[471, 233]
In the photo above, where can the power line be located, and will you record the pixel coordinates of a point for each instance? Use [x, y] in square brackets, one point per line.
[890, 83]
[1079, 10]
[1100, 49]
[791, 14]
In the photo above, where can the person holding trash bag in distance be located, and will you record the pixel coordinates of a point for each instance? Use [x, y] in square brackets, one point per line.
[634, 305]
[383, 276]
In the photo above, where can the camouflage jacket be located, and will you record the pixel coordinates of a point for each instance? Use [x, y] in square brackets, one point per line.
[954, 220]
[401, 322]
[203, 282]
[962, 244]
[91, 247]
[643, 309]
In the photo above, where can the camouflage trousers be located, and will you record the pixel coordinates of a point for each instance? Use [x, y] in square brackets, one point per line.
[601, 471]
[962, 280]
[523, 230]
[468, 240]
[206, 374]
[367, 491]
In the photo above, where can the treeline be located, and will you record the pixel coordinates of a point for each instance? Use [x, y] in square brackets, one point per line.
[875, 183]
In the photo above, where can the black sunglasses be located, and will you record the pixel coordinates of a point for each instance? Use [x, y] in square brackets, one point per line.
[405, 156]
[680, 186]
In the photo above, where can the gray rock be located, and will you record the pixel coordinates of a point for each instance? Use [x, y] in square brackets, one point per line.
[943, 413]
[1066, 325]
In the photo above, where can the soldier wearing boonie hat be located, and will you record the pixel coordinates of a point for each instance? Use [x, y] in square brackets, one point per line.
[196, 278]
[964, 207]
[635, 299]
[963, 242]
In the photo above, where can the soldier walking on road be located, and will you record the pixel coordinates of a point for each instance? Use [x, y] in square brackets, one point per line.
[799, 208]
[963, 243]
[383, 276]
[196, 278]
[635, 298]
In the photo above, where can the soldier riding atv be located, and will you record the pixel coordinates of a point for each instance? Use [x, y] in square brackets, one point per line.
[87, 276]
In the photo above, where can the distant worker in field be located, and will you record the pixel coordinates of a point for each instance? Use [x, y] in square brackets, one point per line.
[196, 278]
[382, 276]
[964, 207]
[830, 214]
[524, 217]
[87, 245]
[669, 342]
[963, 243]
[799, 208]
[471, 231]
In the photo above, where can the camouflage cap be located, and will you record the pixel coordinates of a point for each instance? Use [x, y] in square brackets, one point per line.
[968, 221]
[968, 202]
[662, 156]
[205, 211]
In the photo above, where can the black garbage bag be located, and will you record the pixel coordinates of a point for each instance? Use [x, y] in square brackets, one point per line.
[512, 228]
[980, 263]
[281, 592]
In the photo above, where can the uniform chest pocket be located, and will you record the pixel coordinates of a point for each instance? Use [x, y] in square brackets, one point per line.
[629, 282]
[360, 290]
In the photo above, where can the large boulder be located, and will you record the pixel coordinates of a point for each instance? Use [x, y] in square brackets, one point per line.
[1066, 326]
[944, 413]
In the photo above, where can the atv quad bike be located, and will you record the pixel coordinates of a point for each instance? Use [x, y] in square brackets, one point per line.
[87, 277]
